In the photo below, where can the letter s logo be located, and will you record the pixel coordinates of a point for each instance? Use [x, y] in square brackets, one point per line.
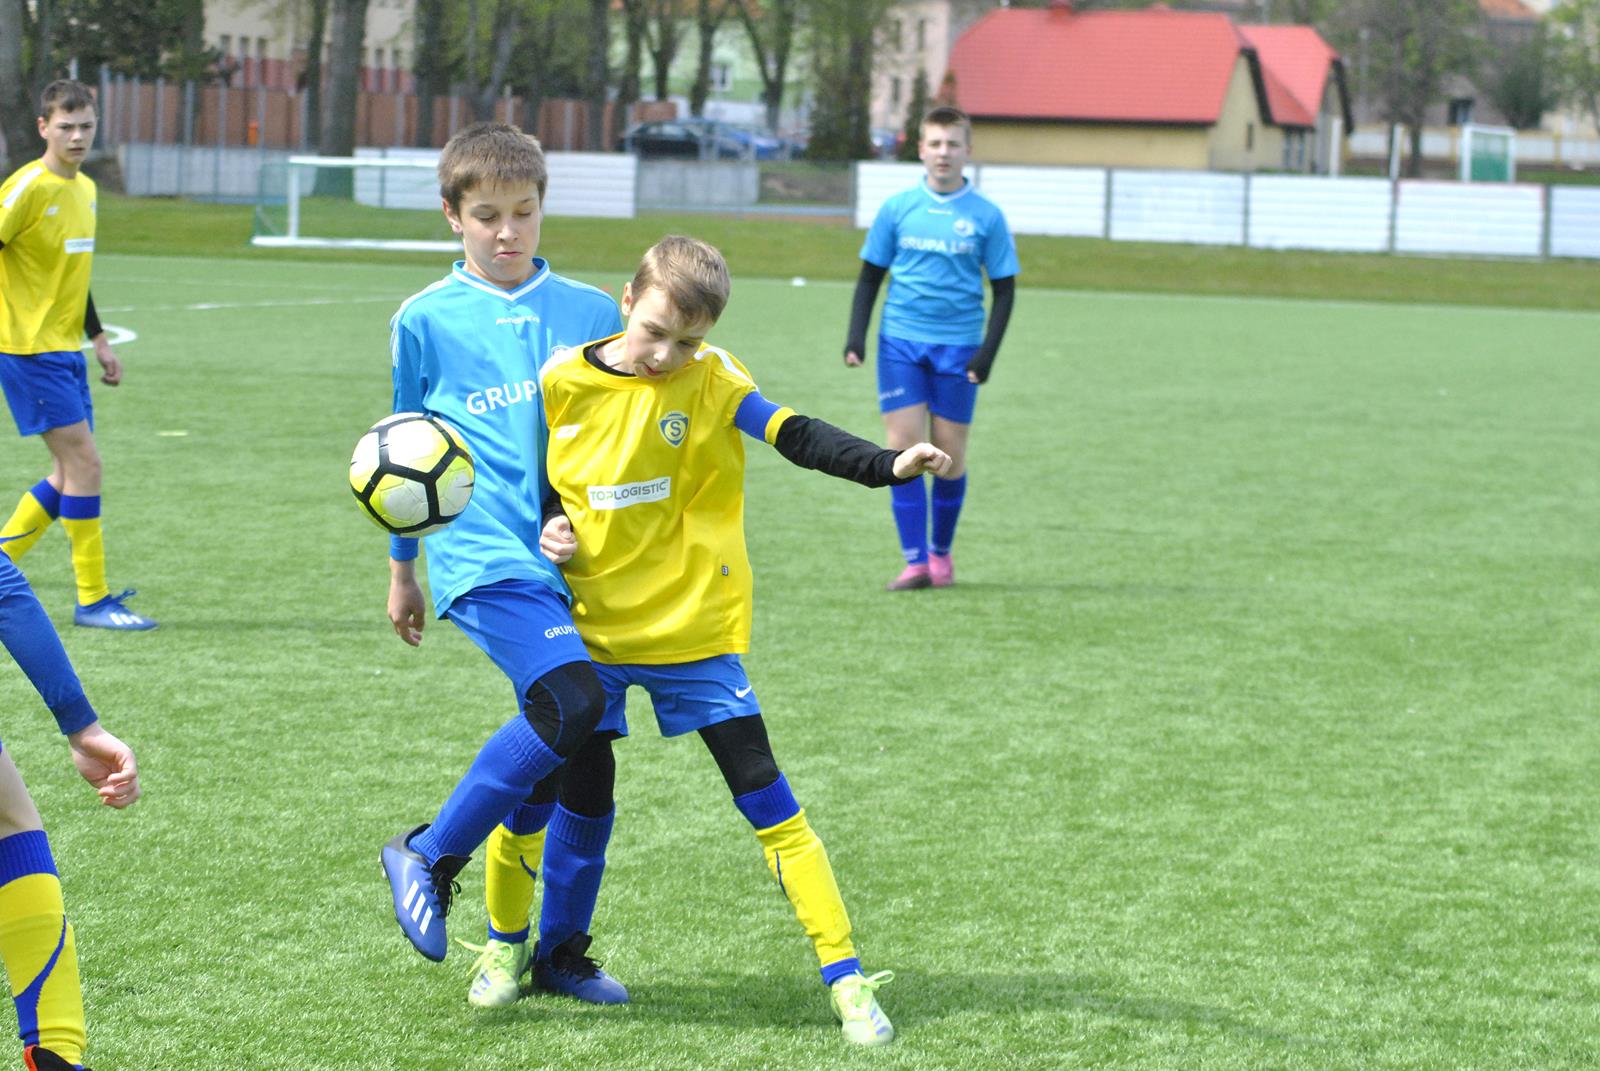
[674, 426]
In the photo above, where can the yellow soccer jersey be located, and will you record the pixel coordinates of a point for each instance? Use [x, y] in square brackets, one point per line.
[47, 228]
[652, 477]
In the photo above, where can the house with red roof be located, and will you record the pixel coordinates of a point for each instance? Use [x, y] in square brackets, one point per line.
[1149, 88]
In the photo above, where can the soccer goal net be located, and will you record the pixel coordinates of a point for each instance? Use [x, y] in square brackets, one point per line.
[1488, 153]
[360, 202]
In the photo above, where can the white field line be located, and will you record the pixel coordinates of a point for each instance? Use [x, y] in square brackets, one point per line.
[211, 306]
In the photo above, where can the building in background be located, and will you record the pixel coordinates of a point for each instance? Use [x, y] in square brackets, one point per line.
[264, 44]
[1149, 88]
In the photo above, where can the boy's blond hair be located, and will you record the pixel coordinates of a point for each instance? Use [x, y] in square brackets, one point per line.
[64, 95]
[490, 154]
[690, 272]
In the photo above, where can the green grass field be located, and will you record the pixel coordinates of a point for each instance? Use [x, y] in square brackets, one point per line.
[1260, 730]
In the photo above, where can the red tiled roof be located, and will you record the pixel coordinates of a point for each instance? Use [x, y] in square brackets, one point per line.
[1507, 9]
[1149, 66]
[1295, 61]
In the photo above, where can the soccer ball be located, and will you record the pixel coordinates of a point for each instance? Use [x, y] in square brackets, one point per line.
[412, 474]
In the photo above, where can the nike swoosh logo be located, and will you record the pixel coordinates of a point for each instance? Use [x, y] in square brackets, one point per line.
[740, 693]
[532, 875]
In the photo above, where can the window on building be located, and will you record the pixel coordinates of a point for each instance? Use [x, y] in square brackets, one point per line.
[894, 92]
[261, 48]
[922, 34]
[1249, 137]
[226, 47]
[1461, 110]
[895, 34]
[721, 77]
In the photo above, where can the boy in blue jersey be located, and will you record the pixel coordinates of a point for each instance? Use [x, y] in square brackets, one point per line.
[468, 349]
[646, 458]
[36, 941]
[937, 240]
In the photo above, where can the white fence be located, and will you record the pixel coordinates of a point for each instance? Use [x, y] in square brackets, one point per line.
[581, 183]
[1274, 211]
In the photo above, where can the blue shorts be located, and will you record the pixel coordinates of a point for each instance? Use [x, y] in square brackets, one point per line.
[524, 627]
[686, 695]
[46, 390]
[926, 373]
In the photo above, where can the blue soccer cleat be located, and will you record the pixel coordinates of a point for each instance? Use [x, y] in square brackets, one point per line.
[422, 893]
[110, 613]
[567, 970]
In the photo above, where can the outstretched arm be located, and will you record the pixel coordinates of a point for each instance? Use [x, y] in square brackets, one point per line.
[867, 284]
[816, 444]
[1005, 295]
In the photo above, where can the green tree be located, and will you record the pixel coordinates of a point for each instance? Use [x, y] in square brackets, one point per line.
[1576, 46]
[1414, 48]
[1522, 83]
[708, 17]
[771, 39]
[430, 67]
[911, 133]
[16, 90]
[145, 38]
[842, 45]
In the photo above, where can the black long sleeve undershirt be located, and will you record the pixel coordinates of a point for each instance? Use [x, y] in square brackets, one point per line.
[91, 319]
[816, 444]
[867, 284]
[1005, 296]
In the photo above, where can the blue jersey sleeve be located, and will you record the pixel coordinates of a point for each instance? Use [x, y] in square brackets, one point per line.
[1000, 249]
[880, 243]
[405, 358]
[27, 633]
[754, 416]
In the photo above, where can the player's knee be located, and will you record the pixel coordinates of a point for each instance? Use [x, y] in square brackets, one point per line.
[591, 777]
[564, 706]
[742, 753]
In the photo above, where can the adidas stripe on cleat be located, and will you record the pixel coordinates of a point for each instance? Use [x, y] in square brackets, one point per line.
[422, 893]
[855, 1004]
[497, 972]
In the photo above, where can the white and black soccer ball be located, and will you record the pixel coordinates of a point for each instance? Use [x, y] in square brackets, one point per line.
[412, 474]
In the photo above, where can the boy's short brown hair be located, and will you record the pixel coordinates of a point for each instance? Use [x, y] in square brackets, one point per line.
[490, 154]
[64, 95]
[692, 274]
[945, 115]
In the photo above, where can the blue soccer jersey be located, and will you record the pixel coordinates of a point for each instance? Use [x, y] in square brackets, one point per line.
[937, 247]
[470, 352]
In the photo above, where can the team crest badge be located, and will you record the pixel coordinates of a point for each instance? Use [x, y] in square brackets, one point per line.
[674, 426]
[964, 227]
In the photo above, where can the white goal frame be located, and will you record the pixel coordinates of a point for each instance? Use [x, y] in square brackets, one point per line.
[1469, 130]
[293, 239]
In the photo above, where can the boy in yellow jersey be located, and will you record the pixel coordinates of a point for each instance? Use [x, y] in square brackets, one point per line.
[36, 942]
[646, 456]
[47, 224]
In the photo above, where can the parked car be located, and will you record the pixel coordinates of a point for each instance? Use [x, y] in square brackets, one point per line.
[677, 138]
[757, 145]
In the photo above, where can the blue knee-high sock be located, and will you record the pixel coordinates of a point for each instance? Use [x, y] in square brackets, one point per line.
[574, 862]
[506, 769]
[947, 498]
[910, 503]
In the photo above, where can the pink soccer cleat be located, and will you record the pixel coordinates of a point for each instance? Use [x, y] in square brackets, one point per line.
[941, 570]
[914, 577]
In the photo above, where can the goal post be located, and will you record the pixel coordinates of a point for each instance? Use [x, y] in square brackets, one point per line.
[361, 202]
[1488, 153]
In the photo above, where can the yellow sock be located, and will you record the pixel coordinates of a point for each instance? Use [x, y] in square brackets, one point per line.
[800, 863]
[26, 525]
[41, 963]
[88, 557]
[510, 862]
